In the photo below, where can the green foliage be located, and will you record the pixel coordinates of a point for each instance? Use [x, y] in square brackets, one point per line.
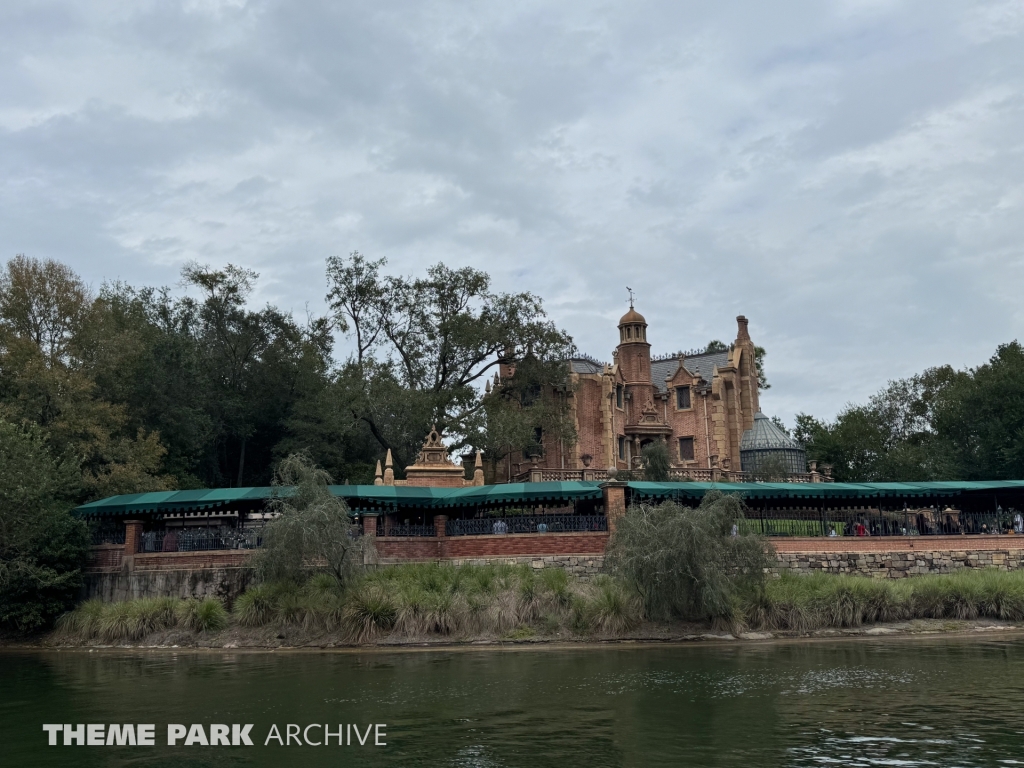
[311, 529]
[206, 615]
[657, 461]
[42, 548]
[684, 562]
[803, 603]
[939, 425]
[424, 345]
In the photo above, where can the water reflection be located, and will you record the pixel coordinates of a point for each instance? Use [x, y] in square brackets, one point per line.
[891, 703]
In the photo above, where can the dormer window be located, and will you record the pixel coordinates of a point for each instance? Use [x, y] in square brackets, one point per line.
[618, 395]
[682, 398]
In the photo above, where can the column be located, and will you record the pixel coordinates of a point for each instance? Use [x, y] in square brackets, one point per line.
[614, 492]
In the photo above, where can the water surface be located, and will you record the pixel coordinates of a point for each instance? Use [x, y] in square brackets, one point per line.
[885, 702]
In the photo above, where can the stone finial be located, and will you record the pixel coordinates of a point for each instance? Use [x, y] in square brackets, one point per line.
[378, 477]
[487, 387]
[742, 334]
[389, 471]
[478, 470]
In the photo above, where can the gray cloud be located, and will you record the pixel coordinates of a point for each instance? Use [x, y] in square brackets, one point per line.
[849, 175]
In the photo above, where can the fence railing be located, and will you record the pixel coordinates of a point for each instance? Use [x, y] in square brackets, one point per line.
[110, 536]
[526, 524]
[410, 530]
[200, 540]
[911, 522]
[697, 474]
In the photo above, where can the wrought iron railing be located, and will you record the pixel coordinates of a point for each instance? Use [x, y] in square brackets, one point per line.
[108, 536]
[479, 526]
[910, 522]
[200, 540]
[697, 474]
[410, 530]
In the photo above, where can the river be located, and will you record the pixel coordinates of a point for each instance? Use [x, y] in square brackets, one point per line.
[886, 702]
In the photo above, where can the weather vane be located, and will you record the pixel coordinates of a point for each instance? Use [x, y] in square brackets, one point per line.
[630, 296]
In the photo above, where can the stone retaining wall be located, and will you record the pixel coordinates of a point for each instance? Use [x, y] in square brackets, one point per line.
[581, 566]
[223, 583]
[897, 565]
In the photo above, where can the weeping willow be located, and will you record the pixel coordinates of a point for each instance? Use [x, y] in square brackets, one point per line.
[690, 563]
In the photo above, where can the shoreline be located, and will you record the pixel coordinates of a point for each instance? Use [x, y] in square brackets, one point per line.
[917, 629]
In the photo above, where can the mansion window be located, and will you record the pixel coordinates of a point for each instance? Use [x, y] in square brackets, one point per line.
[686, 448]
[622, 448]
[618, 395]
[682, 397]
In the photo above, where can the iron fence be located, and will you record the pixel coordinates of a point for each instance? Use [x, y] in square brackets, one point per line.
[201, 540]
[108, 535]
[908, 522]
[479, 526]
[410, 530]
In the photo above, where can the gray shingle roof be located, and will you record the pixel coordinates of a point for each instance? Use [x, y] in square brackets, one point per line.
[661, 370]
[704, 365]
[582, 365]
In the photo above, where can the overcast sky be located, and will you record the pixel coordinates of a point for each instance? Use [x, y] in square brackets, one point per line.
[849, 175]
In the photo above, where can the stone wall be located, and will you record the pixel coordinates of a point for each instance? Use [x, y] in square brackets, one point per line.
[223, 583]
[582, 566]
[898, 565]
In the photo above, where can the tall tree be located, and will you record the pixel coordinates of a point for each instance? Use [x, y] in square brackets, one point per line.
[425, 346]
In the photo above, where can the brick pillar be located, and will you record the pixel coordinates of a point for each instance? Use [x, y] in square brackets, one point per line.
[440, 522]
[132, 542]
[614, 502]
[369, 525]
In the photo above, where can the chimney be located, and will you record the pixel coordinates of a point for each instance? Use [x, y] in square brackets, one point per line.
[742, 334]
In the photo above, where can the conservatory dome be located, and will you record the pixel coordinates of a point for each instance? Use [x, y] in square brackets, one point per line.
[767, 448]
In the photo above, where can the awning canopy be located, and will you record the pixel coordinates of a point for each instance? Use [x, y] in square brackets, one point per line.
[375, 499]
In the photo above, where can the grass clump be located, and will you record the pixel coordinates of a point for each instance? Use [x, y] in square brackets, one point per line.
[206, 615]
[803, 603]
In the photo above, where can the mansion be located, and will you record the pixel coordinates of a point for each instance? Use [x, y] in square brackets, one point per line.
[704, 405]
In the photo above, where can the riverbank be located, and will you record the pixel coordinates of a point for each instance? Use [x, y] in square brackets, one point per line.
[429, 605]
[653, 636]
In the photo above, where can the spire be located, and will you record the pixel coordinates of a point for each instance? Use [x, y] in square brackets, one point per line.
[389, 472]
[378, 477]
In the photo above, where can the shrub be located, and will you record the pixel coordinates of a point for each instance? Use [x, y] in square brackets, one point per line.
[368, 612]
[684, 562]
[206, 615]
[254, 607]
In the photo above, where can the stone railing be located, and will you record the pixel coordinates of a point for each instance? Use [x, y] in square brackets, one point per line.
[541, 475]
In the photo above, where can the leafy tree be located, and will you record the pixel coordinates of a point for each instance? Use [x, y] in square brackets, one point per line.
[426, 346]
[656, 461]
[759, 355]
[42, 548]
[311, 530]
[45, 380]
[685, 563]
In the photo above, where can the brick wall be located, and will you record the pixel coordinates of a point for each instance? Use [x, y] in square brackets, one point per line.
[176, 561]
[105, 557]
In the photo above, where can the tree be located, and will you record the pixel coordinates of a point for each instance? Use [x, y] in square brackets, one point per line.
[311, 529]
[656, 461]
[759, 355]
[426, 346]
[42, 548]
[685, 563]
[45, 379]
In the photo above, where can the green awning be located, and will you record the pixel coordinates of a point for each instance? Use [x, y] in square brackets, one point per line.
[374, 499]
[527, 493]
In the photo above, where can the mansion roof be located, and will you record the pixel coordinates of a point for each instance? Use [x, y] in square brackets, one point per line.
[702, 365]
